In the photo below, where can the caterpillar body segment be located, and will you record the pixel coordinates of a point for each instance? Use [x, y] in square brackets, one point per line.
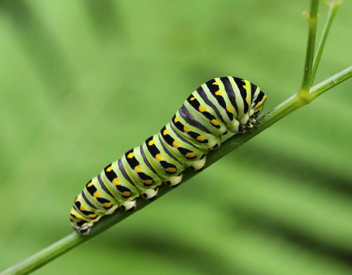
[200, 139]
[162, 161]
[216, 107]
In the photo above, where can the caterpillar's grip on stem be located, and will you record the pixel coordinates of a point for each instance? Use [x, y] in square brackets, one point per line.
[219, 105]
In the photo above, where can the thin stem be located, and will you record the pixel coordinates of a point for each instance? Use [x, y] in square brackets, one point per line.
[325, 85]
[312, 23]
[64, 245]
[333, 7]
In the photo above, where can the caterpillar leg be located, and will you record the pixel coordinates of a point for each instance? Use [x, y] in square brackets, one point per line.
[241, 130]
[199, 164]
[253, 120]
[150, 194]
[174, 181]
[129, 206]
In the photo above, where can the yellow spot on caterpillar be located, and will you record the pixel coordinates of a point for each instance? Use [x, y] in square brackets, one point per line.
[247, 99]
[264, 98]
[229, 109]
[175, 144]
[185, 129]
[82, 208]
[165, 132]
[71, 212]
[90, 184]
[126, 193]
[202, 108]
[148, 182]
[109, 169]
[200, 138]
[150, 143]
[218, 93]
[176, 120]
[245, 86]
[190, 155]
[214, 122]
[243, 80]
[138, 169]
[158, 157]
[80, 217]
[130, 155]
[170, 170]
[76, 200]
[92, 216]
[193, 98]
[116, 181]
[215, 83]
[96, 194]
[256, 106]
[107, 204]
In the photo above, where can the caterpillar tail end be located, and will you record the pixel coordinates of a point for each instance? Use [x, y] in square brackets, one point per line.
[84, 230]
[79, 223]
[83, 225]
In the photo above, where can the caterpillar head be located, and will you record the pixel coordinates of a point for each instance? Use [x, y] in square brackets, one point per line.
[257, 105]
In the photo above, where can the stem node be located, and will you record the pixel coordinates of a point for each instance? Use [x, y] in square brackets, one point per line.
[304, 97]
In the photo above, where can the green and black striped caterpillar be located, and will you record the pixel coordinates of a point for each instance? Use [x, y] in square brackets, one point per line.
[219, 105]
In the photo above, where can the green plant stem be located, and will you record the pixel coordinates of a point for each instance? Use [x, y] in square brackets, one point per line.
[333, 7]
[325, 85]
[64, 245]
[312, 24]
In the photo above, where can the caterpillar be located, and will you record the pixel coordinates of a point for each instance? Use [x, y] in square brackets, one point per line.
[219, 105]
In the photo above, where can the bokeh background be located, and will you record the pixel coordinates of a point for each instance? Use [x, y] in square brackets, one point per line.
[84, 81]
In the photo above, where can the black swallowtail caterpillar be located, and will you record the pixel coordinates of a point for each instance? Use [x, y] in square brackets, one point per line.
[219, 105]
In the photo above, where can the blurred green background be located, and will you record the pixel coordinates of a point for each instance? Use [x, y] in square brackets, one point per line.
[84, 81]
